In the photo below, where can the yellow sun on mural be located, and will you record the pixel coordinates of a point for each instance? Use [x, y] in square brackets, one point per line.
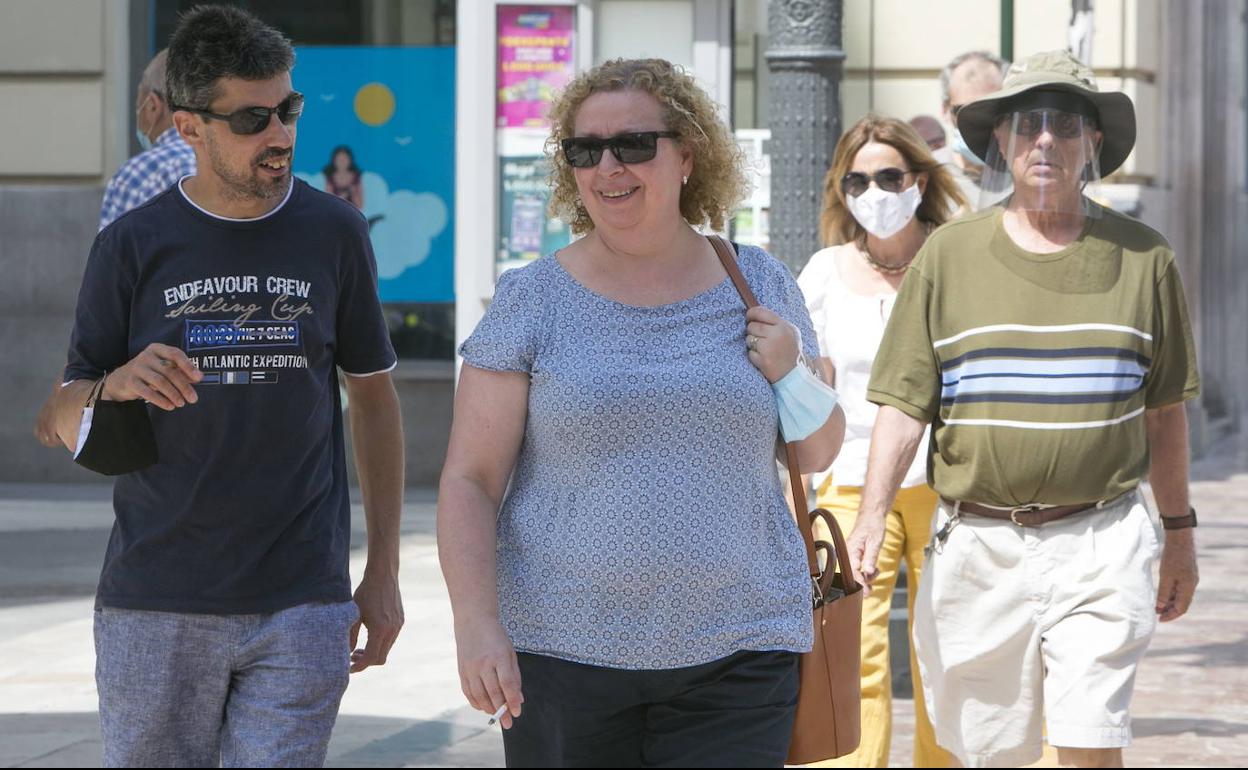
[374, 104]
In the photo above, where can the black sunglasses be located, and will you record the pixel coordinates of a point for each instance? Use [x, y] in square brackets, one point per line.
[1065, 125]
[892, 180]
[639, 147]
[253, 120]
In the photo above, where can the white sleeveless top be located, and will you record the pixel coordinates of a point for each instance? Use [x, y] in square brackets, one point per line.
[850, 327]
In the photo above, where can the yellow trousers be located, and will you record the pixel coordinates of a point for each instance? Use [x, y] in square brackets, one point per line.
[907, 532]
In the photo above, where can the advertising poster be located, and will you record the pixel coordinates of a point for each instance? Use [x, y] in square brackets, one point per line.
[378, 130]
[526, 232]
[535, 60]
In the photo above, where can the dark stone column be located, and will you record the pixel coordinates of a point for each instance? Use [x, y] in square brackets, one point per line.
[805, 58]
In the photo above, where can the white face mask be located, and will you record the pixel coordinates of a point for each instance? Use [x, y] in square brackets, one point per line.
[883, 214]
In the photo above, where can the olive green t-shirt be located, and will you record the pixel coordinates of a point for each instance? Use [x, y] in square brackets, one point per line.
[1035, 369]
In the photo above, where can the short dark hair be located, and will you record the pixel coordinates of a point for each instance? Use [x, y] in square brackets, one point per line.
[220, 41]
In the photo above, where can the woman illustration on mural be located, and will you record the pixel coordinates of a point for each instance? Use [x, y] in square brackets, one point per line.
[343, 178]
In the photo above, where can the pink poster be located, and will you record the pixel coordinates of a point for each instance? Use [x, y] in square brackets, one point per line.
[535, 49]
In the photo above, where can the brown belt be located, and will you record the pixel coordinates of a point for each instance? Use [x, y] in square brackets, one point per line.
[1029, 515]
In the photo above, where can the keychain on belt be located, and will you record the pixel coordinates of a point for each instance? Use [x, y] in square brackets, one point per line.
[938, 540]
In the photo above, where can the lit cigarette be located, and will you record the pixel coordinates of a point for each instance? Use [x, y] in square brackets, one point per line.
[497, 715]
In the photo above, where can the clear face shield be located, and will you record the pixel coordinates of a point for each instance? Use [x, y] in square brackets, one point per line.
[1044, 157]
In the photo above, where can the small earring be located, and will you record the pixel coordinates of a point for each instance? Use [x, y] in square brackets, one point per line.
[684, 180]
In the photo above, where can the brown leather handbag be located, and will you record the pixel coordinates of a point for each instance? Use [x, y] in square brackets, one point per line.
[828, 722]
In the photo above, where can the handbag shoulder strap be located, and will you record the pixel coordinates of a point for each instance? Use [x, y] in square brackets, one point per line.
[724, 251]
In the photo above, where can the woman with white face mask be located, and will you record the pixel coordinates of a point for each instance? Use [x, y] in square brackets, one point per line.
[883, 195]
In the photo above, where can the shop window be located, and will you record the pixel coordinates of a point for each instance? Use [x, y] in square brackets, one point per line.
[378, 131]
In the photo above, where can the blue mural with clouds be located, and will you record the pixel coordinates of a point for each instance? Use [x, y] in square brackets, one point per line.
[378, 129]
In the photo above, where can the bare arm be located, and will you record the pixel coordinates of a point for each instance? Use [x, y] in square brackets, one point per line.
[490, 413]
[67, 411]
[894, 440]
[377, 440]
[161, 374]
[45, 422]
[817, 451]
[1168, 451]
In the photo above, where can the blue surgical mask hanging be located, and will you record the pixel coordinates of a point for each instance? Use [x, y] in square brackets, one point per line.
[144, 141]
[804, 401]
[960, 147]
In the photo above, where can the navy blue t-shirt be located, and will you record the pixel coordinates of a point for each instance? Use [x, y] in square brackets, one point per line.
[247, 510]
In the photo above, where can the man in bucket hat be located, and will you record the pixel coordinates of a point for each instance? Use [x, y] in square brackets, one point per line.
[1046, 340]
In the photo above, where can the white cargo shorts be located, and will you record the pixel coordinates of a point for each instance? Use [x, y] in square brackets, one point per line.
[1015, 625]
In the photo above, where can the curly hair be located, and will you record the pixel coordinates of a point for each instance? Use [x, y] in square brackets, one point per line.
[718, 181]
[941, 199]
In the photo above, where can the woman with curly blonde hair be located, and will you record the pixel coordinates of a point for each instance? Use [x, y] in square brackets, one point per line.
[882, 197]
[619, 554]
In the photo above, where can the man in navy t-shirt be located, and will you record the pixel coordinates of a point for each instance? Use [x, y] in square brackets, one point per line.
[225, 622]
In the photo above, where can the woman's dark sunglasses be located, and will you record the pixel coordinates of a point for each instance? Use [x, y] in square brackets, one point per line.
[855, 183]
[253, 120]
[639, 147]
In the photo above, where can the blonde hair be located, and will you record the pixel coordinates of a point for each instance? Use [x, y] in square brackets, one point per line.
[941, 198]
[718, 180]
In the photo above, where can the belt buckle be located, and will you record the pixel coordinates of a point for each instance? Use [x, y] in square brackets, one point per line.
[1023, 509]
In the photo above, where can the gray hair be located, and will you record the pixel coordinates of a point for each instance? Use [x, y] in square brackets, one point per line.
[220, 41]
[154, 74]
[946, 75]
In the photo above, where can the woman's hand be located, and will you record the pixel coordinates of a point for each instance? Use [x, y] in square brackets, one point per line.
[488, 671]
[772, 343]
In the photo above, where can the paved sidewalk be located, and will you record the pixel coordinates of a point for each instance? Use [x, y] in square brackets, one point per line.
[52, 538]
[1191, 704]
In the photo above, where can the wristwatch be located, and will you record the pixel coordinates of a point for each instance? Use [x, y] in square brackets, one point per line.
[1180, 522]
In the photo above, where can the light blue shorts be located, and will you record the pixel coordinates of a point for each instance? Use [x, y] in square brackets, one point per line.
[185, 690]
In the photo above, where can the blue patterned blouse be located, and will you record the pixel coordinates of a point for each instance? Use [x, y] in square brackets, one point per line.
[645, 526]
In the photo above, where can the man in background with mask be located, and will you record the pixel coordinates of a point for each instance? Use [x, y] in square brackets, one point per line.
[1046, 340]
[165, 159]
[964, 79]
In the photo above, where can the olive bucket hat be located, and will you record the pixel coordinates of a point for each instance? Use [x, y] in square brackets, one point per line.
[1053, 71]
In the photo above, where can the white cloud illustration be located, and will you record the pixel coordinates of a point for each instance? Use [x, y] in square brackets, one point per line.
[405, 223]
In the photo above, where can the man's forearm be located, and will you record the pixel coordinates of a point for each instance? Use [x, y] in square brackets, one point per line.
[1168, 458]
[895, 438]
[68, 411]
[1178, 574]
[377, 438]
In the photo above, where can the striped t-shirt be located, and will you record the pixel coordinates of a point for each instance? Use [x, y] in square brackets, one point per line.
[1035, 369]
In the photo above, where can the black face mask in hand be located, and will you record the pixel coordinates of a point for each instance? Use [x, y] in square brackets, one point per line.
[118, 435]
